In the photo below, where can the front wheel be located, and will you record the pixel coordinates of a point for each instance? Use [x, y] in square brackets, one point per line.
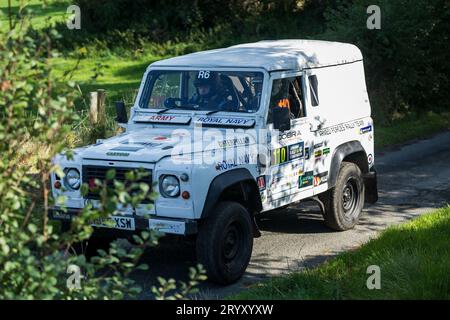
[225, 243]
[344, 203]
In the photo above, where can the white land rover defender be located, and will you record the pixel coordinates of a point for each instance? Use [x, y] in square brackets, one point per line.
[229, 133]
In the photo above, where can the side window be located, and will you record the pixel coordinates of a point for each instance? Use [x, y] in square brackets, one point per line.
[287, 92]
[314, 90]
[296, 97]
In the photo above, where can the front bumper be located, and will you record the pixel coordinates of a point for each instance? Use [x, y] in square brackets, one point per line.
[164, 225]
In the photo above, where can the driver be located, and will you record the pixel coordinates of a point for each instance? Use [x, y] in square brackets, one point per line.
[210, 94]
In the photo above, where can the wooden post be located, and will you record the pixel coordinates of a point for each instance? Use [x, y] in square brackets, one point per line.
[101, 117]
[97, 113]
[93, 110]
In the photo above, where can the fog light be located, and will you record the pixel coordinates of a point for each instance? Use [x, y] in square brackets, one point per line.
[185, 195]
[57, 185]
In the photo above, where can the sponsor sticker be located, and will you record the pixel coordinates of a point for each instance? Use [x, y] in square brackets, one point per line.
[288, 153]
[370, 159]
[117, 154]
[287, 135]
[234, 142]
[176, 227]
[263, 197]
[320, 178]
[318, 153]
[326, 151]
[126, 148]
[365, 129]
[160, 138]
[318, 145]
[299, 166]
[261, 180]
[340, 128]
[306, 180]
[307, 153]
[296, 151]
[229, 164]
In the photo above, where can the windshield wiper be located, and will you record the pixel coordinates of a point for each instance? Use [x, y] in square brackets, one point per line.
[183, 106]
[212, 112]
[163, 111]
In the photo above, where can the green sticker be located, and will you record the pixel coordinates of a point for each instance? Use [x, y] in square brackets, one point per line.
[306, 180]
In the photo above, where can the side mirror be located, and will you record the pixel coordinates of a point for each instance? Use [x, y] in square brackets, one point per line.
[281, 119]
[315, 124]
[121, 112]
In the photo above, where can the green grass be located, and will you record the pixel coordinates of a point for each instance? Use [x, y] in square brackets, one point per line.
[410, 128]
[42, 11]
[120, 77]
[414, 259]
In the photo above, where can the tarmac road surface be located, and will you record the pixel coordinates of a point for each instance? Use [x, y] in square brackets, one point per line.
[412, 179]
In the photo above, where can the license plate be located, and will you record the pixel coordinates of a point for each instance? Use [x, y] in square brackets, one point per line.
[122, 223]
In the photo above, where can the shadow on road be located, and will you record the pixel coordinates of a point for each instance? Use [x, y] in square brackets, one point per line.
[296, 237]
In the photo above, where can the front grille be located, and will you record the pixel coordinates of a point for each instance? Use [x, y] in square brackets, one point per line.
[90, 173]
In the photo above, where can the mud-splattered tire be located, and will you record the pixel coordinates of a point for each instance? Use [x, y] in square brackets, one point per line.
[225, 243]
[344, 203]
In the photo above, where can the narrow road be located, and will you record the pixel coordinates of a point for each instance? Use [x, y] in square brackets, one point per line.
[412, 180]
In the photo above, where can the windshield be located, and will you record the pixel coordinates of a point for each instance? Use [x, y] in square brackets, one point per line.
[235, 91]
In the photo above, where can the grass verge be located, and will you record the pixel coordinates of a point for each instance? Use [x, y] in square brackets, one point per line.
[410, 128]
[414, 260]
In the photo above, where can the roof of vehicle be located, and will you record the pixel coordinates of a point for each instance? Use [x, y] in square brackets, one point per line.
[271, 55]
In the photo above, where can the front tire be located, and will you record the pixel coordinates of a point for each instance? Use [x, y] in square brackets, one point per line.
[344, 203]
[225, 243]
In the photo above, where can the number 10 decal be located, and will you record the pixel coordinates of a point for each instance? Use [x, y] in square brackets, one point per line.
[279, 156]
[287, 153]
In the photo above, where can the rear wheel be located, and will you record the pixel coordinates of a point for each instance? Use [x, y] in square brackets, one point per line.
[225, 242]
[344, 203]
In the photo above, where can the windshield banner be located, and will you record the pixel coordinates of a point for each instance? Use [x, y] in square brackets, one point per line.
[162, 119]
[225, 121]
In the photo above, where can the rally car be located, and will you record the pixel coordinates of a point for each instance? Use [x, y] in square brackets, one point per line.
[229, 133]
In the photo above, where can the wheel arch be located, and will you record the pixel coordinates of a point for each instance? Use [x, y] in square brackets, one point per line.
[351, 151]
[235, 185]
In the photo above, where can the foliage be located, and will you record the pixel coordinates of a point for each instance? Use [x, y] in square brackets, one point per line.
[36, 115]
[407, 68]
[169, 290]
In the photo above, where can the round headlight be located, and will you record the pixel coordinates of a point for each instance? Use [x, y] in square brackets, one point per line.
[72, 179]
[170, 186]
